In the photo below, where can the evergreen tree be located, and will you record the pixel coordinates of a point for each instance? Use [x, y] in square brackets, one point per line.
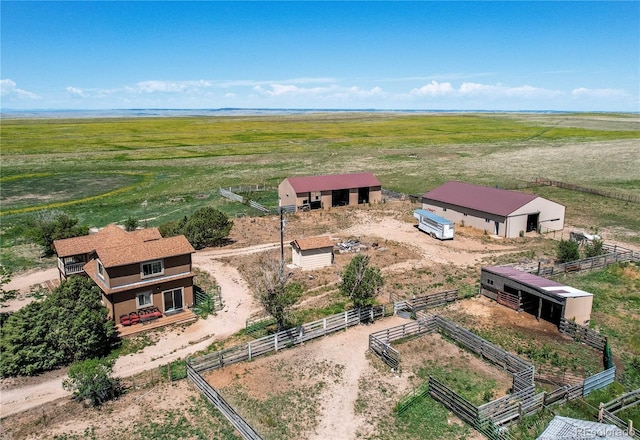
[361, 282]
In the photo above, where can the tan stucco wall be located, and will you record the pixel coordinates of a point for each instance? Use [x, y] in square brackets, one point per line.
[578, 309]
[312, 258]
[287, 195]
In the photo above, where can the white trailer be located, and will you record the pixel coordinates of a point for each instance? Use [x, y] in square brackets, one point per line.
[434, 225]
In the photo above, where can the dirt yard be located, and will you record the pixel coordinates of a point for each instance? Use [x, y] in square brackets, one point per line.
[330, 370]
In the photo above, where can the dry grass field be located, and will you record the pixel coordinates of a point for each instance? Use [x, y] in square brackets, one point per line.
[331, 388]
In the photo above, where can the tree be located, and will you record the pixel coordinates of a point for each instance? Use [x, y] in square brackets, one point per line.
[50, 226]
[594, 248]
[206, 227]
[173, 227]
[90, 381]
[568, 251]
[131, 224]
[273, 292]
[68, 325]
[361, 282]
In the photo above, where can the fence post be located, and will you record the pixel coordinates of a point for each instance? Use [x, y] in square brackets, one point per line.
[169, 373]
[600, 412]
[249, 345]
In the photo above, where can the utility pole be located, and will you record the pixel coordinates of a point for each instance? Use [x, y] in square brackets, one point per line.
[281, 239]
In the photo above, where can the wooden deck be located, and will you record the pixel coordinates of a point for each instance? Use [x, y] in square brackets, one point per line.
[183, 317]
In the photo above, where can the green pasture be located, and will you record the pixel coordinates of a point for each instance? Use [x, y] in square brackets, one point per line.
[159, 169]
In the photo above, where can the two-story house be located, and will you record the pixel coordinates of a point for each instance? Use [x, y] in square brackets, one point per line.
[134, 270]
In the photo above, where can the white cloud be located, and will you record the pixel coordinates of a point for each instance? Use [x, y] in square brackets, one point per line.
[479, 90]
[76, 91]
[324, 93]
[8, 89]
[154, 86]
[598, 93]
[434, 88]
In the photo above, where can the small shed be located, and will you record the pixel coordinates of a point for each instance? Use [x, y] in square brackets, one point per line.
[536, 295]
[312, 253]
[566, 428]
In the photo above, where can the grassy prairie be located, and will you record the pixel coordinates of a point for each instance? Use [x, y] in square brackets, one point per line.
[102, 170]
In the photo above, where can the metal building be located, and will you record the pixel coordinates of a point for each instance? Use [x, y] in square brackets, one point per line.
[497, 211]
[316, 192]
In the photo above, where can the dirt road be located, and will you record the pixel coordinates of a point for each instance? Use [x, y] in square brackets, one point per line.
[239, 304]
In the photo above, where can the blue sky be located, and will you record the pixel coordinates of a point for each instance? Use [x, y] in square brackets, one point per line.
[544, 55]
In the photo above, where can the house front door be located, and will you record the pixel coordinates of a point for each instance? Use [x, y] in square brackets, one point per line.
[172, 300]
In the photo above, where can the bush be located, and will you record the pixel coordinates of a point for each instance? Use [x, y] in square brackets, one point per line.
[567, 251]
[67, 326]
[206, 227]
[594, 248]
[47, 227]
[90, 381]
[361, 282]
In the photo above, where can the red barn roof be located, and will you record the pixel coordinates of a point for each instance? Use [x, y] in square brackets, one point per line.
[480, 198]
[331, 182]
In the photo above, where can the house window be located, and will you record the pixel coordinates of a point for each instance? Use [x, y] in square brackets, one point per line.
[444, 209]
[152, 268]
[486, 220]
[490, 282]
[465, 214]
[100, 269]
[143, 299]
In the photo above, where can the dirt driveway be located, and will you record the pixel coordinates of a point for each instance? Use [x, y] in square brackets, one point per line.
[391, 224]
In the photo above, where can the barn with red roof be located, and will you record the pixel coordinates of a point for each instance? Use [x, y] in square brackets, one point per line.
[325, 191]
[497, 211]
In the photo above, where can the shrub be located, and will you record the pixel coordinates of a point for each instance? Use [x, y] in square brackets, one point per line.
[90, 381]
[50, 226]
[69, 325]
[361, 282]
[206, 227]
[567, 251]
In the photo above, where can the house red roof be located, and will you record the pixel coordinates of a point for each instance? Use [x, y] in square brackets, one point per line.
[480, 198]
[330, 182]
[117, 247]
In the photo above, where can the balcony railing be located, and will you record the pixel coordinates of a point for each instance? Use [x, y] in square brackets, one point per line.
[70, 268]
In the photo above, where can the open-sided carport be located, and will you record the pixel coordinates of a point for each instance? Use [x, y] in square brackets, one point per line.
[546, 299]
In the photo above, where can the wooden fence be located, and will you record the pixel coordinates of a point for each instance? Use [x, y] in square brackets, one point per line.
[426, 301]
[286, 338]
[490, 417]
[584, 334]
[599, 192]
[593, 263]
[221, 405]
[605, 416]
[623, 402]
[229, 194]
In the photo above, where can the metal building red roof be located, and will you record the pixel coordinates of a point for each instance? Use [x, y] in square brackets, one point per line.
[523, 277]
[480, 198]
[331, 182]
